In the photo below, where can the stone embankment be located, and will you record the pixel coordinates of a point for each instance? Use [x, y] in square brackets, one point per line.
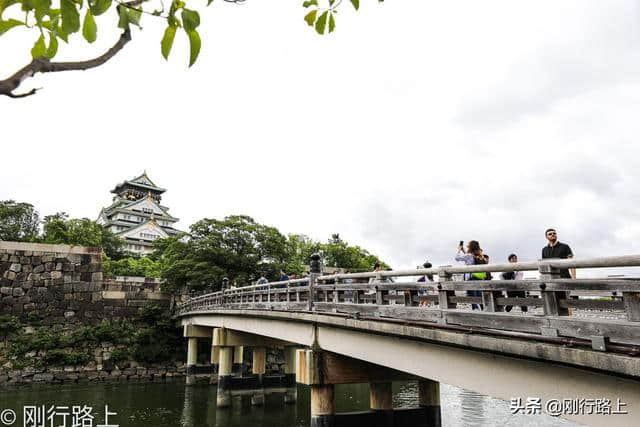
[65, 284]
[53, 291]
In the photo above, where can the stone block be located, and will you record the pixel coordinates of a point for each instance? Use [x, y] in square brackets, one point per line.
[27, 268]
[49, 266]
[18, 292]
[58, 266]
[96, 277]
[15, 268]
[14, 259]
[68, 314]
[80, 287]
[5, 290]
[38, 268]
[48, 258]
[36, 260]
[10, 275]
[56, 275]
[25, 260]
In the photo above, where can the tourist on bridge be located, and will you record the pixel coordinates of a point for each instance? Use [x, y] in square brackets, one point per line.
[429, 276]
[262, 280]
[473, 256]
[514, 275]
[283, 276]
[557, 249]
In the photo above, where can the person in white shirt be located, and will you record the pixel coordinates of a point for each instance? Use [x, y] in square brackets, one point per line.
[514, 275]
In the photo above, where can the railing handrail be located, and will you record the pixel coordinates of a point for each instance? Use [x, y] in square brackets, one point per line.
[599, 262]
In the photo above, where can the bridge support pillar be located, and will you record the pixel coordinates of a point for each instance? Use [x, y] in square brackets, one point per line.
[238, 359]
[291, 394]
[322, 406]
[429, 398]
[225, 374]
[192, 356]
[215, 362]
[258, 369]
[381, 403]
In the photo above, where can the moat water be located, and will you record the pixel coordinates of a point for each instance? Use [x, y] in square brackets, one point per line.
[173, 404]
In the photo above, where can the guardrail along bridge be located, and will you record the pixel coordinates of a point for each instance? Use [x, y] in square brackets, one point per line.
[578, 339]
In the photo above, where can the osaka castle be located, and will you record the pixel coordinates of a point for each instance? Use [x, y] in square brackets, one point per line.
[136, 215]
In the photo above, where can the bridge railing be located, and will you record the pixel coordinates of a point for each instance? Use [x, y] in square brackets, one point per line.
[597, 309]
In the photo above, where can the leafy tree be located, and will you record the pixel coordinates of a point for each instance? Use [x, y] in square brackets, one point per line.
[335, 253]
[52, 21]
[60, 229]
[18, 221]
[299, 251]
[338, 253]
[241, 249]
[131, 266]
[236, 247]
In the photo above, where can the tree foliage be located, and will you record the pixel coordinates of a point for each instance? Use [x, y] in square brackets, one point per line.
[132, 266]
[19, 222]
[240, 249]
[236, 247]
[60, 229]
[54, 21]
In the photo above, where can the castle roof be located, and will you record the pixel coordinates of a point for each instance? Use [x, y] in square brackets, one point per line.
[142, 182]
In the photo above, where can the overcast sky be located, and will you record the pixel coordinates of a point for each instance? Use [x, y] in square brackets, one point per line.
[413, 126]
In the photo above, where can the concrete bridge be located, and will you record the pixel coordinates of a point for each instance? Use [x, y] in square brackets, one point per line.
[578, 345]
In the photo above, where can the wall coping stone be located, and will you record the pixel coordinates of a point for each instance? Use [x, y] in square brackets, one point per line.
[45, 247]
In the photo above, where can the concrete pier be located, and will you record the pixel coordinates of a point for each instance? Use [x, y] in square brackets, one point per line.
[429, 399]
[225, 374]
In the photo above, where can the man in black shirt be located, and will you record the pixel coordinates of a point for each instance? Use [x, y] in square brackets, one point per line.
[556, 249]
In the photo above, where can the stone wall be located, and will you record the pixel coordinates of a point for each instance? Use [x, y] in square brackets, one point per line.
[64, 284]
[61, 288]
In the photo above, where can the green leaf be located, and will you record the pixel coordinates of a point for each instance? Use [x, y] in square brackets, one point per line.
[311, 17]
[134, 16]
[332, 23]
[321, 23]
[167, 41]
[310, 2]
[356, 4]
[128, 16]
[53, 46]
[209, 2]
[39, 49]
[190, 20]
[70, 17]
[42, 8]
[89, 28]
[194, 43]
[100, 6]
[5, 4]
[9, 24]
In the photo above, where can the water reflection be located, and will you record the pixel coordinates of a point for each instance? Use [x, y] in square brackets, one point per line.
[173, 404]
[472, 406]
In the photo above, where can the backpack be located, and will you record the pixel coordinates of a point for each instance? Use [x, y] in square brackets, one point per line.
[478, 275]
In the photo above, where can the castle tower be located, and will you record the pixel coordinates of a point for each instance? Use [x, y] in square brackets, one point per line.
[136, 215]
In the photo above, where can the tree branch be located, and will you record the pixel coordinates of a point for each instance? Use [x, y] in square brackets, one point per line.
[44, 65]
